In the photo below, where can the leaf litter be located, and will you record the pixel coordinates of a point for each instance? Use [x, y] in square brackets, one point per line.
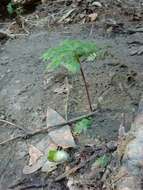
[61, 137]
[70, 177]
[47, 156]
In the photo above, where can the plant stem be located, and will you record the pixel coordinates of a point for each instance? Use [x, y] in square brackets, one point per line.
[86, 87]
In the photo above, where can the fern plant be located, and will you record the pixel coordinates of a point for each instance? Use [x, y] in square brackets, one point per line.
[68, 54]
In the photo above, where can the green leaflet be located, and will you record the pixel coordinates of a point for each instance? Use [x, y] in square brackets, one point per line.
[80, 48]
[57, 155]
[82, 126]
[51, 155]
[67, 54]
[102, 161]
[10, 8]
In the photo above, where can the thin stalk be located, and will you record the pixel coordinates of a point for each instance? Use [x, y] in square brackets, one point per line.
[86, 87]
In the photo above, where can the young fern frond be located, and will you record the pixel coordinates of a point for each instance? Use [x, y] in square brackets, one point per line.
[68, 53]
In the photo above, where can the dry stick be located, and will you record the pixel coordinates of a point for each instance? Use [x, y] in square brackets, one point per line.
[49, 129]
[12, 139]
[118, 178]
[9, 35]
[86, 87]
[14, 125]
[53, 127]
[67, 98]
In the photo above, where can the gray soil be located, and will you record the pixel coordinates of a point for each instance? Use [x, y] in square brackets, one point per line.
[27, 89]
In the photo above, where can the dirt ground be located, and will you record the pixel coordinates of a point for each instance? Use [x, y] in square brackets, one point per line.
[27, 89]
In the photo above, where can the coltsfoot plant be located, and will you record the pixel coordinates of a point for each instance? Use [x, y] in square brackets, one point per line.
[69, 54]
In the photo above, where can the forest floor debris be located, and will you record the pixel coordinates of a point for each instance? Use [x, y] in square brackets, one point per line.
[26, 90]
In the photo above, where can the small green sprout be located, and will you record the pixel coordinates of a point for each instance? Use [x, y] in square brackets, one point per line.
[102, 161]
[68, 54]
[82, 126]
[55, 155]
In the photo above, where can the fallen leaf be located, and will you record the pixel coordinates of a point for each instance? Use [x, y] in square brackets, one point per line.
[61, 136]
[33, 168]
[35, 154]
[49, 166]
[93, 16]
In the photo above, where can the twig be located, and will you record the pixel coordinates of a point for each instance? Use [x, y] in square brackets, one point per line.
[48, 129]
[21, 185]
[91, 30]
[14, 125]
[9, 35]
[118, 178]
[67, 98]
[12, 139]
[53, 127]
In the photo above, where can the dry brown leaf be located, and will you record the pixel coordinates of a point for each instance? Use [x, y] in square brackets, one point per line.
[61, 136]
[35, 154]
[33, 168]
